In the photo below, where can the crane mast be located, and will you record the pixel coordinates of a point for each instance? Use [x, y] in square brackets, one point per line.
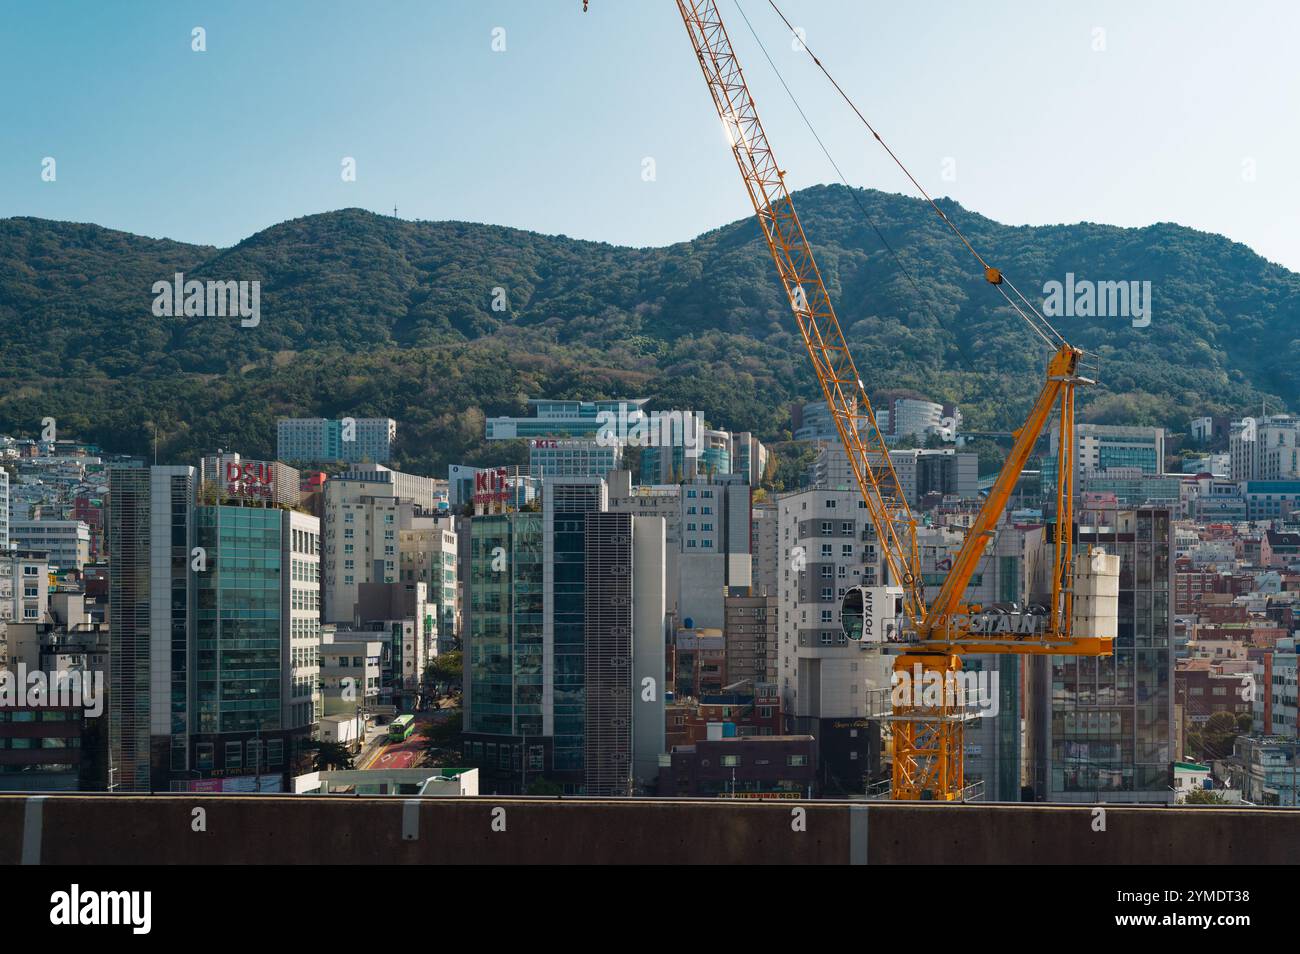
[928, 733]
[842, 386]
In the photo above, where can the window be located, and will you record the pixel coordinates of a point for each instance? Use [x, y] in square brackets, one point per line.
[797, 760]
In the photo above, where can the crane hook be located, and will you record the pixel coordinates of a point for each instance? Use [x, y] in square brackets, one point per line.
[584, 6]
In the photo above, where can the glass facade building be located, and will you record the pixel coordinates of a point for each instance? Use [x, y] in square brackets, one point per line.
[503, 651]
[1103, 726]
[237, 637]
[149, 605]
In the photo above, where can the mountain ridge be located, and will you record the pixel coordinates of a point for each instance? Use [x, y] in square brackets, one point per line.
[365, 314]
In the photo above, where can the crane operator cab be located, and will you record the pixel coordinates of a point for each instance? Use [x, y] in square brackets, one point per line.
[873, 614]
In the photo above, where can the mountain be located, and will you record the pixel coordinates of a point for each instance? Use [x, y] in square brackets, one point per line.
[439, 324]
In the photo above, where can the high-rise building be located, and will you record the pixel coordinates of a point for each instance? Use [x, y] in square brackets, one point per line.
[765, 544]
[428, 554]
[707, 526]
[751, 639]
[564, 644]
[925, 476]
[553, 418]
[572, 457]
[918, 419]
[1103, 449]
[363, 511]
[813, 422]
[748, 458]
[831, 688]
[1006, 573]
[346, 440]
[256, 641]
[150, 595]
[1265, 448]
[1101, 728]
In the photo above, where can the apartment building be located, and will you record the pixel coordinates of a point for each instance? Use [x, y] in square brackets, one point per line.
[707, 528]
[363, 511]
[346, 440]
[831, 688]
[67, 542]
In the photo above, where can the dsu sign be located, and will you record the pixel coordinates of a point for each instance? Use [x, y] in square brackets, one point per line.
[250, 479]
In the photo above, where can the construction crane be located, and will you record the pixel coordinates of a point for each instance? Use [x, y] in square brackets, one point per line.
[929, 640]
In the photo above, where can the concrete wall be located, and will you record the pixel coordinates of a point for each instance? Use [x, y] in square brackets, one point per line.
[262, 829]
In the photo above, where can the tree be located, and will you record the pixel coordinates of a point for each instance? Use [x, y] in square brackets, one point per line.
[1204, 796]
[330, 755]
[445, 667]
[1215, 738]
[443, 733]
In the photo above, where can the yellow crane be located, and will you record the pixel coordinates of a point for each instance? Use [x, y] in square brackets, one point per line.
[929, 640]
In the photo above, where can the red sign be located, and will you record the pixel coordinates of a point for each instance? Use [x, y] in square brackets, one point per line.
[490, 485]
[250, 479]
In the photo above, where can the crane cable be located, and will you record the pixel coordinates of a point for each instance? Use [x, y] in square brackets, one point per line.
[853, 193]
[993, 275]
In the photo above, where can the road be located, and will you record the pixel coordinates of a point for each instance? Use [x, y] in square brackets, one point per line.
[394, 755]
[397, 755]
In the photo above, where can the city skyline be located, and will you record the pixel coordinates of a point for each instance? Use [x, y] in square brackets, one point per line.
[785, 532]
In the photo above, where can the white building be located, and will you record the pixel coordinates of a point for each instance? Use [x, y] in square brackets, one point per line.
[350, 440]
[301, 599]
[66, 541]
[919, 419]
[4, 509]
[427, 552]
[826, 545]
[1266, 448]
[363, 512]
[350, 667]
[572, 457]
[24, 586]
[707, 527]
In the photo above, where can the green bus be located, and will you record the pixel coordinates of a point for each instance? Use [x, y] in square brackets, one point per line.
[400, 729]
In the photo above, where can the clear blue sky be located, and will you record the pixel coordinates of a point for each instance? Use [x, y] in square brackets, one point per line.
[550, 135]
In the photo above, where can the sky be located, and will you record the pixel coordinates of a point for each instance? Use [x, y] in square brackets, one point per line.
[529, 113]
